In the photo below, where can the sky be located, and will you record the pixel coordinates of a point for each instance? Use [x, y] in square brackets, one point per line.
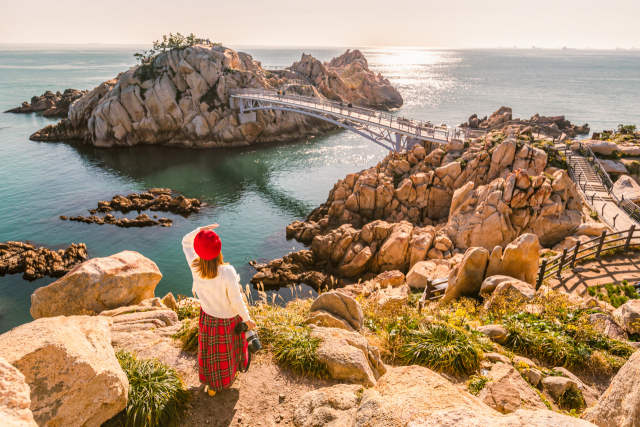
[600, 24]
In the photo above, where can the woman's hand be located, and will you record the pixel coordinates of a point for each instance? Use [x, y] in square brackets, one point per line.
[210, 227]
[250, 324]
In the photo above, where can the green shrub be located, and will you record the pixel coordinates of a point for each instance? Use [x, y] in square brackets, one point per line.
[441, 347]
[592, 291]
[594, 215]
[476, 383]
[571, 399]
[157, 395]
[185, 309]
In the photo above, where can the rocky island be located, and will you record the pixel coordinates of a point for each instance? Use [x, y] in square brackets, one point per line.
[181, 98]
[51, 104]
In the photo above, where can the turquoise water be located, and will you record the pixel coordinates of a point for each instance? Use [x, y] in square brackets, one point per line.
[253, 193]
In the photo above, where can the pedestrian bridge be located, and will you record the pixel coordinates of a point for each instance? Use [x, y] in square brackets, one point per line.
[394, 133]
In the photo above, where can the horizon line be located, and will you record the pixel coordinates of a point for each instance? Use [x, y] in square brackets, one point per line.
[533, 47]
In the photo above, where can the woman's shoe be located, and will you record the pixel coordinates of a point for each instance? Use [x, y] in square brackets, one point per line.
[208, 390]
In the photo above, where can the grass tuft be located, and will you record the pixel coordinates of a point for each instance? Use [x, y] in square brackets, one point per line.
[571, 399]
[157, 395]
[476, 383]
[442, 347]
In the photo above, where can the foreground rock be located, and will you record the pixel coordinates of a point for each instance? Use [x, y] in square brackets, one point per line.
[99, 284]
[508, 391]
[348, 356]
[628, 314]
[14, 398]
[328, 407]
[71, 368]
[53, 104]
[619, 406]
[36, 263]
[414, 396]
[341, 306]
[181, 98]
[149, 314]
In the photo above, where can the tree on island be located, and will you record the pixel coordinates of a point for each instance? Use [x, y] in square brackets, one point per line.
[177, 41]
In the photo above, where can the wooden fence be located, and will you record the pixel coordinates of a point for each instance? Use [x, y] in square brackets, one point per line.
[554, 266]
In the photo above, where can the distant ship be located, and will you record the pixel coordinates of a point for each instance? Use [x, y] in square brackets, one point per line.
[568, 48]
[533, 47]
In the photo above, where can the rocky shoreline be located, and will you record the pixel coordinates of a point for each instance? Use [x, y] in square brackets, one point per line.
[433, 206]
[505, 114]
[181, 98]
[36, 263]
[52, 105]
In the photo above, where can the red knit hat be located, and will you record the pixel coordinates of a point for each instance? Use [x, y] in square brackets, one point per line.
[207, 244]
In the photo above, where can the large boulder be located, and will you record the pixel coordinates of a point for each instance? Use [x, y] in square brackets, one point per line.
[72, 370]
[389, 297]
[466, 278]
[512, 290]
[126, 278]
[340, 305]
[627, 187]
[464, 417]
[14, 398]
[424, 271]
[348, 356]
[491, 282]
[628, 314]
[520, 259]
[410, 395]
[508, 391]
[328, 407]
[613, 167]
[601, 147]
[593, 229]
[619, 406]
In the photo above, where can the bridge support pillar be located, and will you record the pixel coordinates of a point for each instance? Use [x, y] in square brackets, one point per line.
[398, 144]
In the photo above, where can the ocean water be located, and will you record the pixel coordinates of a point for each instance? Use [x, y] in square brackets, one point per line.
[253, 193]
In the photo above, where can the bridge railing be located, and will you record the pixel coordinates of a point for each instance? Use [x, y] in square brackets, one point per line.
[626, 205]
[415, 128]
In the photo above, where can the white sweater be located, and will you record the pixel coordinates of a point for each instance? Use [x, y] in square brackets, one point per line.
[219, 297]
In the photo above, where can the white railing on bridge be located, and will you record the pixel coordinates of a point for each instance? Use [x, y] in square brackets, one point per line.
[415, 128]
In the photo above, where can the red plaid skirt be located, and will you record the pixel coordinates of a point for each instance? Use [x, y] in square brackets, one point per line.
[221, 353]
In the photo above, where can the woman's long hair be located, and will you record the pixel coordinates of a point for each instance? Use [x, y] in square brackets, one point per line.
[208, 269]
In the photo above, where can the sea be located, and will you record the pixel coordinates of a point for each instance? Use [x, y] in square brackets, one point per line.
[254, 192]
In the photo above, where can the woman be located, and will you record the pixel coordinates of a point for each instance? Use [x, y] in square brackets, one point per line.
[221, 353]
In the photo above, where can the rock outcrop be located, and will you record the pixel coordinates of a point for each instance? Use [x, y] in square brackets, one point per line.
[414, 207]
[508, 391]
[505, 114]
[328, 407]
[149, 314]
[628, 314]
[14, 398]
[181, 98]
[35, 263]
[348, 356]
[126, 278]
[71, 368]
[52, 104]
[619, 406]
[414, 396]
[340, 306]
[348, 79]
